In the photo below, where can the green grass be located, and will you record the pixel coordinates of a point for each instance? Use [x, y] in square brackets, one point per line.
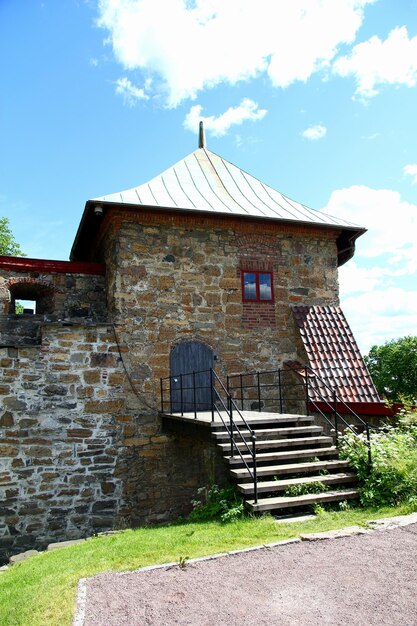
[41, 591]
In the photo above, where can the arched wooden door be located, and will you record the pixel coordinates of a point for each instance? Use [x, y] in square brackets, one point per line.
[185, 358]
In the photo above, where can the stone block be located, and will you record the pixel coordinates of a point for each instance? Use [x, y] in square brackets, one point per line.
[103, 360]
[103, 406]
[23, 556]
[6, 420]
[8, 451]
[85, 392]
[55, 390]
[79, 433]
[136, 441]
[91, 376]
[13, 403]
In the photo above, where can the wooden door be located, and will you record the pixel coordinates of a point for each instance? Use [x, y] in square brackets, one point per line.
[186, 358]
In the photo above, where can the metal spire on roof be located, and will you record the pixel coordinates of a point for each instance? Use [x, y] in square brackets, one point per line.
[201, 136]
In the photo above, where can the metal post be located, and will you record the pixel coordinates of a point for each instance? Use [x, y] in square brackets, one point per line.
[231, 428]
[212, 393]
[280, 391]
[170, 394]
[162, 394]
[228, 391]
[194, 397]
[368, 439]
[241, 392]
[336, 423]
[259, 391]
[307, 394]
[255, 480]
[181, 395]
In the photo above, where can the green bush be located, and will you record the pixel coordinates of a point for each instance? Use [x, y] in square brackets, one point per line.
[217, 504]
[304, 489]
[392, 479]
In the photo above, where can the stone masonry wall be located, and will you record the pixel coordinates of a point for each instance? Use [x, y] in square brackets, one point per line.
[81, 441]
[59, 296]
[177, 278]
[59, 429]
[78, 454]
[68, 294]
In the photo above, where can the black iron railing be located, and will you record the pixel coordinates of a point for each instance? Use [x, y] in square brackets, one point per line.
[271, 390]
[201, 392]
[314, 396]
[275, 391]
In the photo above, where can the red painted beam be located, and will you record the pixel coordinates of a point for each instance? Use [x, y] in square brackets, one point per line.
[360, 408]
[46, 266]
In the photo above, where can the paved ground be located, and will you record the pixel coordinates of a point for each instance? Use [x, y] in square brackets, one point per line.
[366, 580]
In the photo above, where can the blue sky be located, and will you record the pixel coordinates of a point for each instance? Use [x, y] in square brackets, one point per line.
[317, 98]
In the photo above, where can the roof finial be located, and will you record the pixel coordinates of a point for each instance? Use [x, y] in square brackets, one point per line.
[201, 136]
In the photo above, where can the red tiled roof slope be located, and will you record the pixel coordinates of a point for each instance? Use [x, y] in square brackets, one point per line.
[333, 354]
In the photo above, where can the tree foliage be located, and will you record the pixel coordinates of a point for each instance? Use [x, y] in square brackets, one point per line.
[8, 245]
[393, 367]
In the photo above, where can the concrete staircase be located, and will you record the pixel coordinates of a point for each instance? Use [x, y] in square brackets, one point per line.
[291, 454]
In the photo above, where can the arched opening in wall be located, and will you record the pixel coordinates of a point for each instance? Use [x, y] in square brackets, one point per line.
[28, 298]
[191, 391]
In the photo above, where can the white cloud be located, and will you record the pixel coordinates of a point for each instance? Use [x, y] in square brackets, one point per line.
[355, 279]
[391, 221]
[314, 132]
[411, 170]
[190, 46]
[376, 305]
[130, 93]
[380, 315]
[374, 62]
[218, 126]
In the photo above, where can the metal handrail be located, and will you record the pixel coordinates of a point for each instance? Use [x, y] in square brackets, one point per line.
[229, 407]
[333, 405]
[337, 400]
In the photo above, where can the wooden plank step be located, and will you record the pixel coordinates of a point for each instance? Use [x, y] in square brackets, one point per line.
[272, 504]
[280, 443]
[268, 486]
[273, 432]
[290, 468]
[255, 418]
[263, 457]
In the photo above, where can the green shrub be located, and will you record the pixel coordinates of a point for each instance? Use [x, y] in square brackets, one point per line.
[392, 479]
[304, 488]
[225, 505]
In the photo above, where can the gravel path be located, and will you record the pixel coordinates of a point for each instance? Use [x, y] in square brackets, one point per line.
[366, 580]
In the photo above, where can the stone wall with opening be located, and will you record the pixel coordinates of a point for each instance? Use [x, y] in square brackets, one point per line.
[33, 291]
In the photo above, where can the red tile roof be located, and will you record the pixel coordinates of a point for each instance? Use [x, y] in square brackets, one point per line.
[333, 354]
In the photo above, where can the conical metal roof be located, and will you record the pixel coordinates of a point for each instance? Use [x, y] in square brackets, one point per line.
[207, 183]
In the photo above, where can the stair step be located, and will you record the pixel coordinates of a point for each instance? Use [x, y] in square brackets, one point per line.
[268, 486]
[277, 456]
[290, 468]
[271, 504]
[256, 418]
[266, 433]
[280, 443]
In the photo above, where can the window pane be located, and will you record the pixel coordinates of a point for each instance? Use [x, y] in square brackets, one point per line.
[265, 287]
[249, 282]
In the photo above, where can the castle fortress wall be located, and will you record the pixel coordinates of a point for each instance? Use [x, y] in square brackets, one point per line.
[79, 454]
[179, 278]
[81, 443]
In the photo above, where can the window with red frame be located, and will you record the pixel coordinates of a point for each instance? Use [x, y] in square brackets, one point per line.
[257, 287]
